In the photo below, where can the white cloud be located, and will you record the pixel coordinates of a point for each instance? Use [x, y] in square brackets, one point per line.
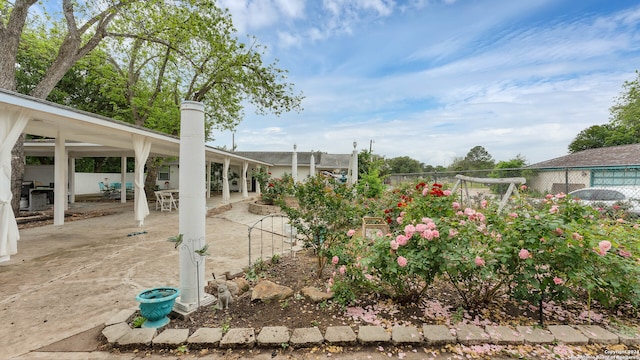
[434, 82]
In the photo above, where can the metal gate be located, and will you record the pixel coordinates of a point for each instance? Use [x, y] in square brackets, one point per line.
[271, 235]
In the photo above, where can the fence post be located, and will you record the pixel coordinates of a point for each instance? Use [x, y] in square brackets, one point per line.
[566, 180]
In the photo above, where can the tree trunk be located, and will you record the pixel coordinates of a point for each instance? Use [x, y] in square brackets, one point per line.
[17, 173]
[152, 174]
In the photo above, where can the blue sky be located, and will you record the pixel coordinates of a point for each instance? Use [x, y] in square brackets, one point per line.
[430, 79]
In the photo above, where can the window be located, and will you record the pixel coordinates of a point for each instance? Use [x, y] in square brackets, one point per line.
[163, 174]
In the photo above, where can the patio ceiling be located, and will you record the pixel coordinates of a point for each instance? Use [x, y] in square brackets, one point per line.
[91, 135]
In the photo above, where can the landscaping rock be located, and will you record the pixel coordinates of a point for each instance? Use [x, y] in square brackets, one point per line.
[243, 285]
[115, 332]
[504, 335]
[437, 335]
[471, 335]
[568, 335]
[598, 335]
[405, 335]
[206, 336]
[340, 335]
[629, 338]
[121, 316]
[535, 335]
[305, 337]
[238, 338]
[273, 336]
[171, 337]
[142, 336]
[268, 291]
[373, 335]
[316, 295]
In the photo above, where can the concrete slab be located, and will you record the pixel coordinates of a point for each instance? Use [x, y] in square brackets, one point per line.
[471, 334]
[238, 338]
[372, 335]
[405, 335]
[504, 335]
[629, 337]
[206, 337]
[305, 337]
[171, 337]
[142, 336]
[340, 335]
[598, 335]
[568, 335]
[115, 332]
[535, 335]
[273, 336]
[437, 335]
[121, 316]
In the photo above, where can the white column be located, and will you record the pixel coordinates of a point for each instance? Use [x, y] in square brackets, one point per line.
[60, 180]
[123, 179]
[192, 207]
[245, 168]
[208, 180]
[312, 165]
[226, 195]
[72, 180]
[142, 148]
[11, 126]
[354, 164]
[294, 164]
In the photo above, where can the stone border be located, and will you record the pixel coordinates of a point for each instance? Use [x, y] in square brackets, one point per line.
[118, 333]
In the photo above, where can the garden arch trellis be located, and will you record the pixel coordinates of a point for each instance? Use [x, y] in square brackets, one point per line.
[512, 189]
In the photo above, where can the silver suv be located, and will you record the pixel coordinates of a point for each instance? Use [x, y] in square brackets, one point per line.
[628, 197]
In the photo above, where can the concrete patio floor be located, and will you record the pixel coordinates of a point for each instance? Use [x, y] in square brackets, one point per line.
[68, 279]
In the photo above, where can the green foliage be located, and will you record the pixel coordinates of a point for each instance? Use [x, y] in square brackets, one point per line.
[404, 165]
[370, 184]
[278, 189]
[508, 169]
[325, 210]
[554, 249]
[262, 176]
[138, 321]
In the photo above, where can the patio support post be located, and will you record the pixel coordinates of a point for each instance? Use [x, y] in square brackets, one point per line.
[225, 181]
[192, 212]
[142, 148]
[11, 126]
[294, 164]
[208, 192]
[354, 165]
[123, 179]
[245, 168]
[72, 180]
[60, 181]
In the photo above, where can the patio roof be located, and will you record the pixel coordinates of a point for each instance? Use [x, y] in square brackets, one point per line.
[77, 133]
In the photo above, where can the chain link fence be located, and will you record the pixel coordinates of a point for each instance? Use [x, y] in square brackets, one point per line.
[607, 184]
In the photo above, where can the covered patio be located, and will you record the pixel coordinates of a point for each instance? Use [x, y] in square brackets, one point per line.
[79, 134]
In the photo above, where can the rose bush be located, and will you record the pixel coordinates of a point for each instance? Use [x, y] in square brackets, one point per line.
[534, 251]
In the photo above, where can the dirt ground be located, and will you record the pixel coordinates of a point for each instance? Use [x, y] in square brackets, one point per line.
[71, 278]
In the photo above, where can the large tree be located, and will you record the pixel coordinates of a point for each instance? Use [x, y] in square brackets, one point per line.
[404, 165]
[160, 53]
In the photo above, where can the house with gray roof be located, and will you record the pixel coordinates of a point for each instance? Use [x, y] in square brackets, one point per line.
[607, 166]
[282, 161]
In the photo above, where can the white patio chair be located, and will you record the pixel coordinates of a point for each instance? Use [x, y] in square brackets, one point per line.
[165, 201]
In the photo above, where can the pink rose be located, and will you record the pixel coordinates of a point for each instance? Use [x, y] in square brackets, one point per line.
[351, 232]
[479, 261]
[342, 269]
[447, 192]
[524, 254]
[335, 260]
[604, 246]
[402, 261]
[409, 230]
[394, 245]
[420, 228]
[455, 205]
[554, 209]
[557, 280]
[402, 240]
[453, 232]
[513, 215]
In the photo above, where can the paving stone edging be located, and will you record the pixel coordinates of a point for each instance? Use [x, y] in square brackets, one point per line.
[118, 333]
